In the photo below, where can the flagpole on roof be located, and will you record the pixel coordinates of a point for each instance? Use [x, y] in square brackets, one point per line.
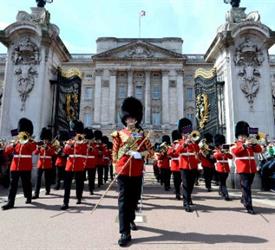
[141, 14]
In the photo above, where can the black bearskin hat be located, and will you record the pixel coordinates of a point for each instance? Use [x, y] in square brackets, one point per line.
[175, 135]
[242, 128]
[184, 126]
[63, 135]
[98, 135]
[131, 107]
[89, 134]
[166, 138]
[219, 139]
[25, 125]
[208, 137]
[77, 126]
[46, 134]
[105, 139]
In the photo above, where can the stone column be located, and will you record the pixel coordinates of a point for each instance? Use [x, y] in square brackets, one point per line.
[147, 101]
[165, 97]
[180, 95]
[112, 95]
[97, 107]
[130, 83]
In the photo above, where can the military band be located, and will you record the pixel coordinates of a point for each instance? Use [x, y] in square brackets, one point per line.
[88, 152]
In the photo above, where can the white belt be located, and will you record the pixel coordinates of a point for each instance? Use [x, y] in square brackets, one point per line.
[188, 154]
[106, 158]
[245, 158]
[174, 159]
[90, 157]
[45, 157]
[22, 156]
[77, 156]
[222, 161]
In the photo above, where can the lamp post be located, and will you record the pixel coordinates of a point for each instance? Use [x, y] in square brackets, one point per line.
[42, 3]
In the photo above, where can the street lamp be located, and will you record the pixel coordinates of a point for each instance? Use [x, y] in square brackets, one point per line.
[42, 3]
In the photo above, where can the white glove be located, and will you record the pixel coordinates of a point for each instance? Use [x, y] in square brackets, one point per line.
[135, 154]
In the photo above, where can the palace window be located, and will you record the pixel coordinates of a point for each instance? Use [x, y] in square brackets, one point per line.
[190, 117]
[88, 93]
[156, 119]
[87, 119]
[189, 94]
[139, 92]
[122, 91]
[156, 92]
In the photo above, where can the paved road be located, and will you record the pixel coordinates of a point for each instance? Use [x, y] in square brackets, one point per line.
[215, 224]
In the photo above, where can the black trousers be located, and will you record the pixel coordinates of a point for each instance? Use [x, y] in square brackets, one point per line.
[47, 177]
[26, 184]
[165, 175]
[246, 181]
[177, 181]
[106, 172]
[99, 175]
[91, 178]
[156, 172]
[222, 182]
[208, 175]
[129, 192]
[111, 171]
[60, 175]
[188, 178]
[79, 182]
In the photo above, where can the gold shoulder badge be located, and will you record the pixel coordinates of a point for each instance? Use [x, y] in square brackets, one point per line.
[203, 107]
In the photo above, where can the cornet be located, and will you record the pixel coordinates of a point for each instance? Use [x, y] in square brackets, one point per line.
[23, 137]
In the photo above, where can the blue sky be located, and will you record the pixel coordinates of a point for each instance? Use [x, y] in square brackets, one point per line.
[82, 22]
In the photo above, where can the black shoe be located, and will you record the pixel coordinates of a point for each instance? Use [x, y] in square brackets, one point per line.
[178, 197]
[64, 207]
[124, 240]
[191, 203]
[36, 196]
[7, 206]
[47, 193]
[28, 201]
[78, 202]
[57, 187]
[227, 198]
[250, 211]
[133, 226]
[187, 208]
[209, 189]
[91, 192]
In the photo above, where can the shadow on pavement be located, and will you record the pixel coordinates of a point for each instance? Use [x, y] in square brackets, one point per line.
[165, 235]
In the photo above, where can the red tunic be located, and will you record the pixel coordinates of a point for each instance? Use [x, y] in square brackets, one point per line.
[174, 158]
[76, 156]
[188, 155]
[134, 166]
[100, 147]
[45, 156]
[244, 157]
[222, 165]
[205, 162]
[22, 155]
[92, 154]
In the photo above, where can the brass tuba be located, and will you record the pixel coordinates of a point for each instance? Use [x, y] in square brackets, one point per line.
[195, 135]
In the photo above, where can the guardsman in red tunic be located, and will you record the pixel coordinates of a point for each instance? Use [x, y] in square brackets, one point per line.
[163, 162]
[76, 149]
[244, 150]
[207, 159]
[61, 158]
[46, 151]
[174, 162]
[188, 151]
[221, 154]
[130, 142]
[100, 147]
[21, 166]
[91, 155]
[106, 157]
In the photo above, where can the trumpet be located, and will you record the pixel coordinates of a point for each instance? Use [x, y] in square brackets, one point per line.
[193, 137]
[23, 137]
[79, 138]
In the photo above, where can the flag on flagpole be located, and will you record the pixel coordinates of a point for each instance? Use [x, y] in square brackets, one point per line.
[142, 13]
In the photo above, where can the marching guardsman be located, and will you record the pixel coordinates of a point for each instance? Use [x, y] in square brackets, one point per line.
[76, 149]
[61, 158]
[222, 154]
[207, 159]
[188, 151]
[106, 158]
[46, 151]
[130, 146]
[174, 162]
[155, 163]
[244, 150]
[110, 147]
[100, 147]
[92, 153]
[163, 162]
[21, 166]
